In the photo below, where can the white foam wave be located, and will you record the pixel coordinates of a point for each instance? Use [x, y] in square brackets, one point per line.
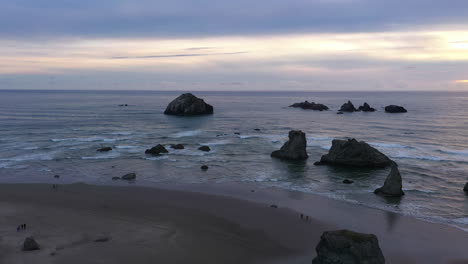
[89, 139]
[415, 156]
[463, 220]
[189, 133]
[162, 157]
[121, 133]
[248, 136]
[30, 157]
[126, 147]
[109, 155]
[218, 142]
[390, 145]
[463, 152]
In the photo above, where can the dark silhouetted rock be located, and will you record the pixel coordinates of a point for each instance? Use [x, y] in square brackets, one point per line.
[157, 150]
[354, 153]
[310, 106]
[123, 104]
[366, 108]
[348, 247]
[294, 148]
[129, 176]
[115, 178]
[104, 149]
[395, 109]
[30, 244]
[236, 133]
[339, 113]
[347, 181]
[177, 146]
[56, 176]
[392, 186]
[273, 206]
[466, 187]
[188, 105]
[204, 167]
[257, 129]
[204, 148]
[102, 239]
[348, 107]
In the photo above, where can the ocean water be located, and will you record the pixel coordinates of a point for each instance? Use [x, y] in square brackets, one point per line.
[47, 133]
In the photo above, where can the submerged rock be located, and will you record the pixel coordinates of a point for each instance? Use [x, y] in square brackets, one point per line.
[129, 176]
[395, 109]
[393, 183]
[294, 148]
[310, 106]
[354, 153]
[346, 181]
[204, 148]
[115, 178]
[177, 146]
[366, 108]
[104, 149]
[188, 105]
[204, 167]
[348, 247]
[30, 244]
[339, 113]
[156, 150]
[348, 107]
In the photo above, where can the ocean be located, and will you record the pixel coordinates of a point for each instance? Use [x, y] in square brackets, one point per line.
[47, 133]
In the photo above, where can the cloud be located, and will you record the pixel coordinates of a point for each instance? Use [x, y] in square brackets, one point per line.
[178, 55]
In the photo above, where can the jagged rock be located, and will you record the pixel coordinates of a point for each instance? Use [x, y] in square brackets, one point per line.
[392, 186]
[204, 148]
[188, 105]
[104, 149]
[348, 247]
[311, 106]
[204, 167]
[366, 108]
[346, 181]
[156, 150]
[294, 148]
[348, 107]
[177, 146]
[30, 244]
[354, 153]
[395, 109]
[129, 176]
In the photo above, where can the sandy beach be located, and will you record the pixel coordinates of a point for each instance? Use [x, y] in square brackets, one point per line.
[175, 224]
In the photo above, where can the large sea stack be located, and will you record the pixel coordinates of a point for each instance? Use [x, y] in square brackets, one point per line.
[294, 148]
[348, 247]
[355, 154]
[392, 186]
[310, 106]
[188, 105]
[348, 107]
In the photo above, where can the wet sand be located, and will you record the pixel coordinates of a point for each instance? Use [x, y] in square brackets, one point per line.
[201, 224]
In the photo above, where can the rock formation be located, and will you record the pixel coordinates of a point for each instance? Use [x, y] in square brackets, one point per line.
[395, 109]
[294, 148]
[392, 186]
[30, 244]
[348, 247]
[156, 150]
[348, 107]
[129, 176]
[188, 105]
[366, 108]
[355, 154]
[104, 149]
[204, 148]
[311, 106]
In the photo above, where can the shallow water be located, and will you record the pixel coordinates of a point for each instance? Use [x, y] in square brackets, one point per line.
[44, 133]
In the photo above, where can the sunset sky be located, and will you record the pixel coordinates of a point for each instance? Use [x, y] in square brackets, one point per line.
[234, 45]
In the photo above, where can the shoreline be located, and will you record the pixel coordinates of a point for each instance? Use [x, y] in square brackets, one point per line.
[236, 219]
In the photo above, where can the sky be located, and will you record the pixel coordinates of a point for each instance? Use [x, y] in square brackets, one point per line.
[190, 45]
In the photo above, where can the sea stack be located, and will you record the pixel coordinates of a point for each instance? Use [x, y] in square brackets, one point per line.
[188, 105]
[393, 183]
[348, 107]
[354, 153]
[294, 148]
[344, 246]
[366, 108]
[310, 106]
[395, 109]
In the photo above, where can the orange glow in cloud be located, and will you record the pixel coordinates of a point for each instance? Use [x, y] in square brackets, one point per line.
[461, 81]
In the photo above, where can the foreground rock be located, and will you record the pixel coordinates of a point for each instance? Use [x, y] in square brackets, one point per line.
[395, 109]
[294, 148]
[348, 247]
[30, 244]
[204, 148]
[188, 105]
[177, 146]
[354, 153]
[156, 150]
[311, 106]
[348, 107]
[366, 108]
[104, 149]
[393, 183]
[129, 176]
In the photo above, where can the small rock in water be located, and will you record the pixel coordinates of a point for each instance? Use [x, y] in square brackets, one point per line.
[204, 148]
[348, 107]
[273, 206]
[156, 150]
[466, 187]
[344, 246]
[395, 109]
[257, 129]
[104, 149]
[30, 244]
[204, 167]
[236, 133]
[102, 239]
[56, 176]
[177, 146]
[366, 108]
[115, 178]
[339, 113]
[347, 181]
[129, 176]
[310, 106]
